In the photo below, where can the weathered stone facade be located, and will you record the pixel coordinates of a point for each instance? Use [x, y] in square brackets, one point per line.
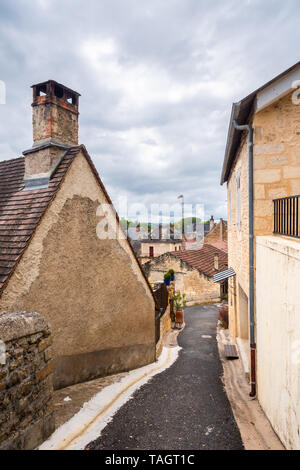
[26, 381]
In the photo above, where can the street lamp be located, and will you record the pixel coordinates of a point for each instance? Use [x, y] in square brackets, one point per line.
[182, 203]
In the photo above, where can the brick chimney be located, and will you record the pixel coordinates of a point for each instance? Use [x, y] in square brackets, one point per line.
[216, 261]
[55, 129]
[211, 223]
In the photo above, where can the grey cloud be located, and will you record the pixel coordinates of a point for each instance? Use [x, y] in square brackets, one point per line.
[152, 145]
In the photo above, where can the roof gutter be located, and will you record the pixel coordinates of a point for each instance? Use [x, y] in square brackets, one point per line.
[249, 129]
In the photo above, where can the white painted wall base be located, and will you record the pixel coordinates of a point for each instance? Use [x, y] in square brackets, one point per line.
[278, 334]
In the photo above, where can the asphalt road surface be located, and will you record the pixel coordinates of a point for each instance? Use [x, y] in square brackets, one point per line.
[185, 407]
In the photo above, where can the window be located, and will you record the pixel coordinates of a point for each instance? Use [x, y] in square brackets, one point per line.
[238, 195]
[151, 252]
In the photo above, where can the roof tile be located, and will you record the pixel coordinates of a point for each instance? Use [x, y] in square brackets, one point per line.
[20, 212]
[203, 259]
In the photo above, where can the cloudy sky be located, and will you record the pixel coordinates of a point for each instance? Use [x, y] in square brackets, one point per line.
[157, 79]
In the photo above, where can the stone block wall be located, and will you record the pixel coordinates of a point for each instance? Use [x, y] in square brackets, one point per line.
[276, 174]
[276, 159]
[26, 381]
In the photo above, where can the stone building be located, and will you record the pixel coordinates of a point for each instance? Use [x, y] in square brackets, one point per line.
[56, 257]
[194, 271]
[273, 112]
[159, 242]
[217, 234]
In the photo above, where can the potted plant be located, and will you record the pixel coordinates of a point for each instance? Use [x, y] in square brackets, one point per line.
[167, 279]
[172, 274]
[224, 317]
[180, 303]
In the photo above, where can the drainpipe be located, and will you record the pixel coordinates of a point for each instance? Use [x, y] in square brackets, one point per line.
[249, 129]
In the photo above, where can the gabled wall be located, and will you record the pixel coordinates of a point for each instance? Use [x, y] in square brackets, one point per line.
[92, 291]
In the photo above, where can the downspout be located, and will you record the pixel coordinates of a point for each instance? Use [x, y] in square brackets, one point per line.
[249, 129]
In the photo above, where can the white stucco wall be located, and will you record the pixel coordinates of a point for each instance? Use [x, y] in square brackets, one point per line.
[278, 334]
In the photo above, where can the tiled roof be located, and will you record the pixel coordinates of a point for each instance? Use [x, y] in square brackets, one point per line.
[21, 211]
[203, 259]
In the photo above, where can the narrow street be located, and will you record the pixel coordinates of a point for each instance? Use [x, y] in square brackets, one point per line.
[184, 407]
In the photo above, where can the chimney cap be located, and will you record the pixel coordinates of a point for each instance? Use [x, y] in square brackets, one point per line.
[55, 93]
[53, 82]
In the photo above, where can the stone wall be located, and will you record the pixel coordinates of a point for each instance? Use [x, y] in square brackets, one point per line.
[276, 159]
[276, 174]
[26, 381]
[238, 240]
[165, 326]
[197, 287]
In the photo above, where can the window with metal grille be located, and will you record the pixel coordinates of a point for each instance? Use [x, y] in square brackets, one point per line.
[286, 216]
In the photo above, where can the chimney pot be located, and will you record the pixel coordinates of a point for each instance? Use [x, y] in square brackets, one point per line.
[55, 113]
[55, 129]
[216, 261]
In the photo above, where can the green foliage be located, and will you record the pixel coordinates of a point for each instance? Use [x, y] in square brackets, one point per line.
[179, 300]
[126, 223]
[167, 275]
[187, 221]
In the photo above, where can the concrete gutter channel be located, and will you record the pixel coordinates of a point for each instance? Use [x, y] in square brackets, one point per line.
[87, 424]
